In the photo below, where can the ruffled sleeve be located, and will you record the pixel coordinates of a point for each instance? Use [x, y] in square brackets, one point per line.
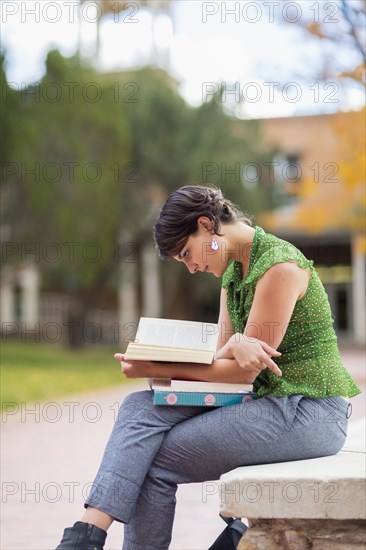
[274, 254]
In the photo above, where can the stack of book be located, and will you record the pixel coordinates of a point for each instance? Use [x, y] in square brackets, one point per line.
[171, 340]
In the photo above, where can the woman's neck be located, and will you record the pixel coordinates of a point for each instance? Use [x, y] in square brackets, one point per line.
[238, 240]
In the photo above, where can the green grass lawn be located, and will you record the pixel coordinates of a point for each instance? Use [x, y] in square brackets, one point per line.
[32, 372]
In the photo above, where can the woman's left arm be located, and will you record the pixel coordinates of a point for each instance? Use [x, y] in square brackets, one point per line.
[275, 297]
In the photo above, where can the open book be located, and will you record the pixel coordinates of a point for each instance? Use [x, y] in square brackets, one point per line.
[174, 341]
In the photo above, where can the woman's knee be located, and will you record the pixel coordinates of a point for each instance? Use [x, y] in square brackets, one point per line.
[137, 397]
[135, 405]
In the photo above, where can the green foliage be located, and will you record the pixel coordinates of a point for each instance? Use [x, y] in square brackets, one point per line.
[71, 145]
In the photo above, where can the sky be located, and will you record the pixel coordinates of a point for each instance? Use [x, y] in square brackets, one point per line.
[248, 45]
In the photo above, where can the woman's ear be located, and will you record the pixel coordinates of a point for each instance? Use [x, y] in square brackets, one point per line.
[205, 223]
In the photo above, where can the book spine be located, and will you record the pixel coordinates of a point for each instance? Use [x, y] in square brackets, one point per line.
[200, 399]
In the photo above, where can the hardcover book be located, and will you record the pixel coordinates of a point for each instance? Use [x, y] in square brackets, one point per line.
[204, 394]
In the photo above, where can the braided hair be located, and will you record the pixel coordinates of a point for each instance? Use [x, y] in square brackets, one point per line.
[179, 215]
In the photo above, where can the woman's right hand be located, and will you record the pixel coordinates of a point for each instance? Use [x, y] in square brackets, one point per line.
[251, 354]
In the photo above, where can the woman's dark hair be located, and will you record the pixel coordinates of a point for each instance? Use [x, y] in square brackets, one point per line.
[178, 217]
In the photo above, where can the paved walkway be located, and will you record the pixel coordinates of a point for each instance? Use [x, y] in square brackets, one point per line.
[49, 456]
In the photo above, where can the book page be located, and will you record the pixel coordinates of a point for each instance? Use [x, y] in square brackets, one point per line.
[180, 334]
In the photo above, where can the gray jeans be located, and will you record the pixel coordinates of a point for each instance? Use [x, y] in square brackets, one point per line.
[154, 448]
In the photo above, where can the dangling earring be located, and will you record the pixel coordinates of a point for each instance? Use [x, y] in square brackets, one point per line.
[214, 244]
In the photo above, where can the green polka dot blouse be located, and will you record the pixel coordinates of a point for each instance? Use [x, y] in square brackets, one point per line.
[310, 362]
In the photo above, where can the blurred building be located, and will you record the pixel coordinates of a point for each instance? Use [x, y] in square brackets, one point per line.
[320, 165]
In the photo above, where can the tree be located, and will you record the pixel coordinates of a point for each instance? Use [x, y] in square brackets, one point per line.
[346, 35]
[338, 28]
[61, 200]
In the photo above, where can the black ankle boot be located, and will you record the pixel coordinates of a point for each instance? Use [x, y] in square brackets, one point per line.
[83, 536]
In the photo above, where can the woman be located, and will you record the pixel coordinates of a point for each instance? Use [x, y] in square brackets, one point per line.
[271, 298]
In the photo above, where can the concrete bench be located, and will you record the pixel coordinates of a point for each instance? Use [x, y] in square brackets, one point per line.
[317, 504]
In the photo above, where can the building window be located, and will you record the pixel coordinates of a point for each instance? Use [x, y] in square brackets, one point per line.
[287, 169]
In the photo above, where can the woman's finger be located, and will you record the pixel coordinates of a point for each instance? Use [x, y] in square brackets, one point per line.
[269, 349]
[126, 368]
[272, 365]
[222, 353]
[119, 356]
